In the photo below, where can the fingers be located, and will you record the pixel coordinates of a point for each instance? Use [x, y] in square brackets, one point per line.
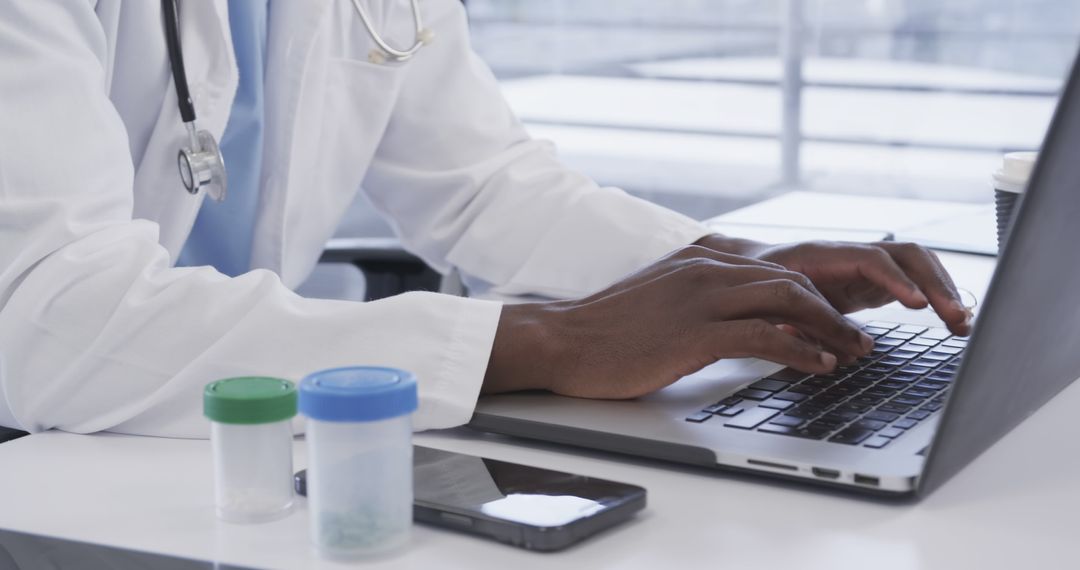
[876, 265]
[784, 301]
[760, 339]
[745, 270]
[925, 269]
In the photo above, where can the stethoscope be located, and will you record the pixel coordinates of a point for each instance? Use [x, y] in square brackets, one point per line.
[200, 162]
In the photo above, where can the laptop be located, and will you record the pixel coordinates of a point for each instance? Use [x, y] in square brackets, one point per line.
[898, 423]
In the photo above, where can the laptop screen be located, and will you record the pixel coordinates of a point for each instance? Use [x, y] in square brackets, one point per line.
[1026, 344]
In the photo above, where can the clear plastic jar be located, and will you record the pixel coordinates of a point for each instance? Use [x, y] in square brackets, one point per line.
[359, 475]
[251, 436]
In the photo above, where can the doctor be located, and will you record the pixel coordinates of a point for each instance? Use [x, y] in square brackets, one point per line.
[121, 294]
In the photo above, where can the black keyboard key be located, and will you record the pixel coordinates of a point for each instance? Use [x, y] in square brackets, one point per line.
[934, 385]
[924, 342]
[869, 375]
[729, 401]
[900, 335]
[880, 392]
[919, 415]
[777, 429]
[905, 424]
[875, 331]
[841, 416]
[873, 425]
[853, 407]
[891, 432]
[817, 382]
[843, 390]
[892, 385]
[776, 404]
[869, 400]
[851, 436]
[894, 408]
[698, 417]
[881, 416]
[904, 377]
[948, 350]
[915, 370]
[808, 390]
[825, 400]
[893, 362]
[789, 375]
[877, 442]
[751, 419]
[787, 421]
[913, 329]
[880, 369]
[955, 343]
[859, 383]
[769, 385]
[889, 342]
[714, 409]
[730, 412]
[937, 356]
[811, 432]
[919, 393]
[805, 412]
[905, 354]
[931, 407]
[790, 396]
[941, 377]
[912, 347]
[753, 394]
[906, 401]
[829, 425]
[927, 363]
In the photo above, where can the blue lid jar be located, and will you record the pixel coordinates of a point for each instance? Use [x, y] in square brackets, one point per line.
[358, 394]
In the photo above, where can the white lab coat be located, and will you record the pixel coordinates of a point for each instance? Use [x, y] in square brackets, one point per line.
[99, 332]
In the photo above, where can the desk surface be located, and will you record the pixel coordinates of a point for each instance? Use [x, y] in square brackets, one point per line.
[1013, 507]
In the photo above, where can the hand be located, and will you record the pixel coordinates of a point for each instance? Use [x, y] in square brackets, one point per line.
[862, 276]
[686, 311]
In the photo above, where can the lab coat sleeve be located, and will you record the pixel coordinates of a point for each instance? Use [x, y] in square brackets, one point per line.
[467, 188]
[98, 332]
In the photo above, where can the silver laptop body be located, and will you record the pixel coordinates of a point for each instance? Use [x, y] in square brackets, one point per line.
[1024, 350]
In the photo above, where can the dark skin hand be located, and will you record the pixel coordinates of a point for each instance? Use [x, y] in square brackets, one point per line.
[720, 298]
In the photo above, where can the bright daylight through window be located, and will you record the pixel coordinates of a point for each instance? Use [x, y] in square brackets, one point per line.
[705, 105]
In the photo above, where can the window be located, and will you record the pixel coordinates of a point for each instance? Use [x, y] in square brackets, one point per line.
[706, 105]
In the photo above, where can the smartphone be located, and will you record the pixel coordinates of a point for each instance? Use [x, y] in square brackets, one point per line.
[528, 507]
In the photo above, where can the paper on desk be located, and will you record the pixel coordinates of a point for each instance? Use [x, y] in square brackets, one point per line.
[971, 232]
[947, 225]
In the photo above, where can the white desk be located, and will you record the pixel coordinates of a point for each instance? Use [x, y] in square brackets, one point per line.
[1014, 507]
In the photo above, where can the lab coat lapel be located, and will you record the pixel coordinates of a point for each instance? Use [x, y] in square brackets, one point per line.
[212, 77]
[293, 29]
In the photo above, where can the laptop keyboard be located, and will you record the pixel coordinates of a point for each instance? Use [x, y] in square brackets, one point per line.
[871, 402]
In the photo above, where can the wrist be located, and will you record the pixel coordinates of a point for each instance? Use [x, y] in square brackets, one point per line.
[733, 245]
[524, 351]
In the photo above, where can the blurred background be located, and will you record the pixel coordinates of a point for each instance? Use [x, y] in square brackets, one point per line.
[709, 105]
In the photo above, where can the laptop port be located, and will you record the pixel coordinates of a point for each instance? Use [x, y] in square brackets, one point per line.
[825, 473]
[867, 480]
[772, 465]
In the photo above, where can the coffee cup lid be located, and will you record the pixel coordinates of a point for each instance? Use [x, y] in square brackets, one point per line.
[1015, 171]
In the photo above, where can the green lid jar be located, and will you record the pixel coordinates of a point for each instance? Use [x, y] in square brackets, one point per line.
[252, 442]
[250, 400]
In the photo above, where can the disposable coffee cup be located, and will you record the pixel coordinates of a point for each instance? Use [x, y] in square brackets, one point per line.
[1010, 181]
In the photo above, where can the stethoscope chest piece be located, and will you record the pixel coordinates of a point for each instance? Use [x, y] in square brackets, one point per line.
[202, 167]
